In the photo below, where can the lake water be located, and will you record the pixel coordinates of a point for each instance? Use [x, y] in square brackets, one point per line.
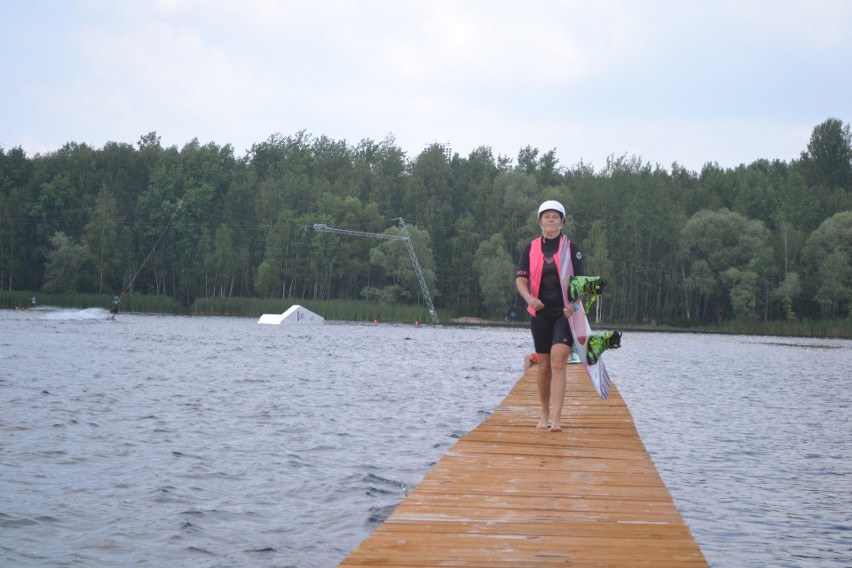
[177, 441]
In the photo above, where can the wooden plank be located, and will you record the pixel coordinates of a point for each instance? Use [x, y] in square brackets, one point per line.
[509, 494]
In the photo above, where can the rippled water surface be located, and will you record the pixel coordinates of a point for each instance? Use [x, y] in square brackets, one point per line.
[169, 441]
[753, 437]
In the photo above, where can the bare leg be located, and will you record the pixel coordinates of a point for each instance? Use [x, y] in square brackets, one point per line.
[558, 356]
[544, 381]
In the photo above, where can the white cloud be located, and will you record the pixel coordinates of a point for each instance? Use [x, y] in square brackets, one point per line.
[671, 81]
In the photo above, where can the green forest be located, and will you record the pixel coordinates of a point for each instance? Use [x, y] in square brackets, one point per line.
[764, 242]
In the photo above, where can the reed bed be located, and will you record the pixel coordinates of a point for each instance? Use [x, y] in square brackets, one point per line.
[840, 328]
[349, 310]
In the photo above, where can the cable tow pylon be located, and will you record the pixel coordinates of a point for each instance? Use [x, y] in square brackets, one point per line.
[406, 238]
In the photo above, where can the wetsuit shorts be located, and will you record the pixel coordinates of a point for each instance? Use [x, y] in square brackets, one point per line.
[550, 327]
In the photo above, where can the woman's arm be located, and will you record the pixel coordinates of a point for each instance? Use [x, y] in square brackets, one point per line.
[523, 286]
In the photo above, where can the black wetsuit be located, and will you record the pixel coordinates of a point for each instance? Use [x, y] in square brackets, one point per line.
[550, 326]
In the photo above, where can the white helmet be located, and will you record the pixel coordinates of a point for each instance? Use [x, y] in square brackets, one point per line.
[551, 205]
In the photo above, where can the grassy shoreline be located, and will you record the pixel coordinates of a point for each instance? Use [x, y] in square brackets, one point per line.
[841, 329]
[349, 310]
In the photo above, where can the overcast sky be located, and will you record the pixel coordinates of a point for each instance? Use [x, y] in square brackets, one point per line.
[668, 81]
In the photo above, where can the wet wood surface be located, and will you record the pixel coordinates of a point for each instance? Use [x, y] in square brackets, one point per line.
[508, 494]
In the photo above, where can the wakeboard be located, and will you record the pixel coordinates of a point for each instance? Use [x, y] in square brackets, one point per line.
[588, 345]
[582, 333]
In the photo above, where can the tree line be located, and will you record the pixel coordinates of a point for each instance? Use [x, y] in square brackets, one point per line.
[770, 240]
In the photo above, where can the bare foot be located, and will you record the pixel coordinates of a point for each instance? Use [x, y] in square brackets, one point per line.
[557, 427]
[542, 424]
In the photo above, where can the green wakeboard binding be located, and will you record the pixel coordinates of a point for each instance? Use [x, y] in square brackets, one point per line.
[591, 286]
[600, 342]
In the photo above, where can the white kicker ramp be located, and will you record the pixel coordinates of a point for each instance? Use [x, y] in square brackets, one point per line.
[296, 314]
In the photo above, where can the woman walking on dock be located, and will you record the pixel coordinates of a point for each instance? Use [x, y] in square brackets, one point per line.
[539, 283]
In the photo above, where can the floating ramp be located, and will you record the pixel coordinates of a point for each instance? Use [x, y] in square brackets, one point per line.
[507, 494]
[296, 314]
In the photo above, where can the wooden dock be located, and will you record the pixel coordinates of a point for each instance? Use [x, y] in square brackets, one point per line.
[507, 494]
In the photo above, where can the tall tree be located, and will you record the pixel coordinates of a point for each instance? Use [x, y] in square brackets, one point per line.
[461, 291]
[380, 171]
[786, 293]
[827, 165]
[280, 268]
[15, 174]
[520, 200]
[105, 239]
[528, 160]
[64, 264]
[828, 263]
[496, 283]
[828, 158]
[595, 251]
[726, 256]
[476, 175]
[7, 246]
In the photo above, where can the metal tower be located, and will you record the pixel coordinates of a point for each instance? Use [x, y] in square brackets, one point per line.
[406, 238]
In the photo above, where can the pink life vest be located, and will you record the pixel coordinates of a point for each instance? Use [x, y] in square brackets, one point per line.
[565, 268]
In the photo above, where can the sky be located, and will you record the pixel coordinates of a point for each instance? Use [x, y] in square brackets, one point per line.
[667, 81]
